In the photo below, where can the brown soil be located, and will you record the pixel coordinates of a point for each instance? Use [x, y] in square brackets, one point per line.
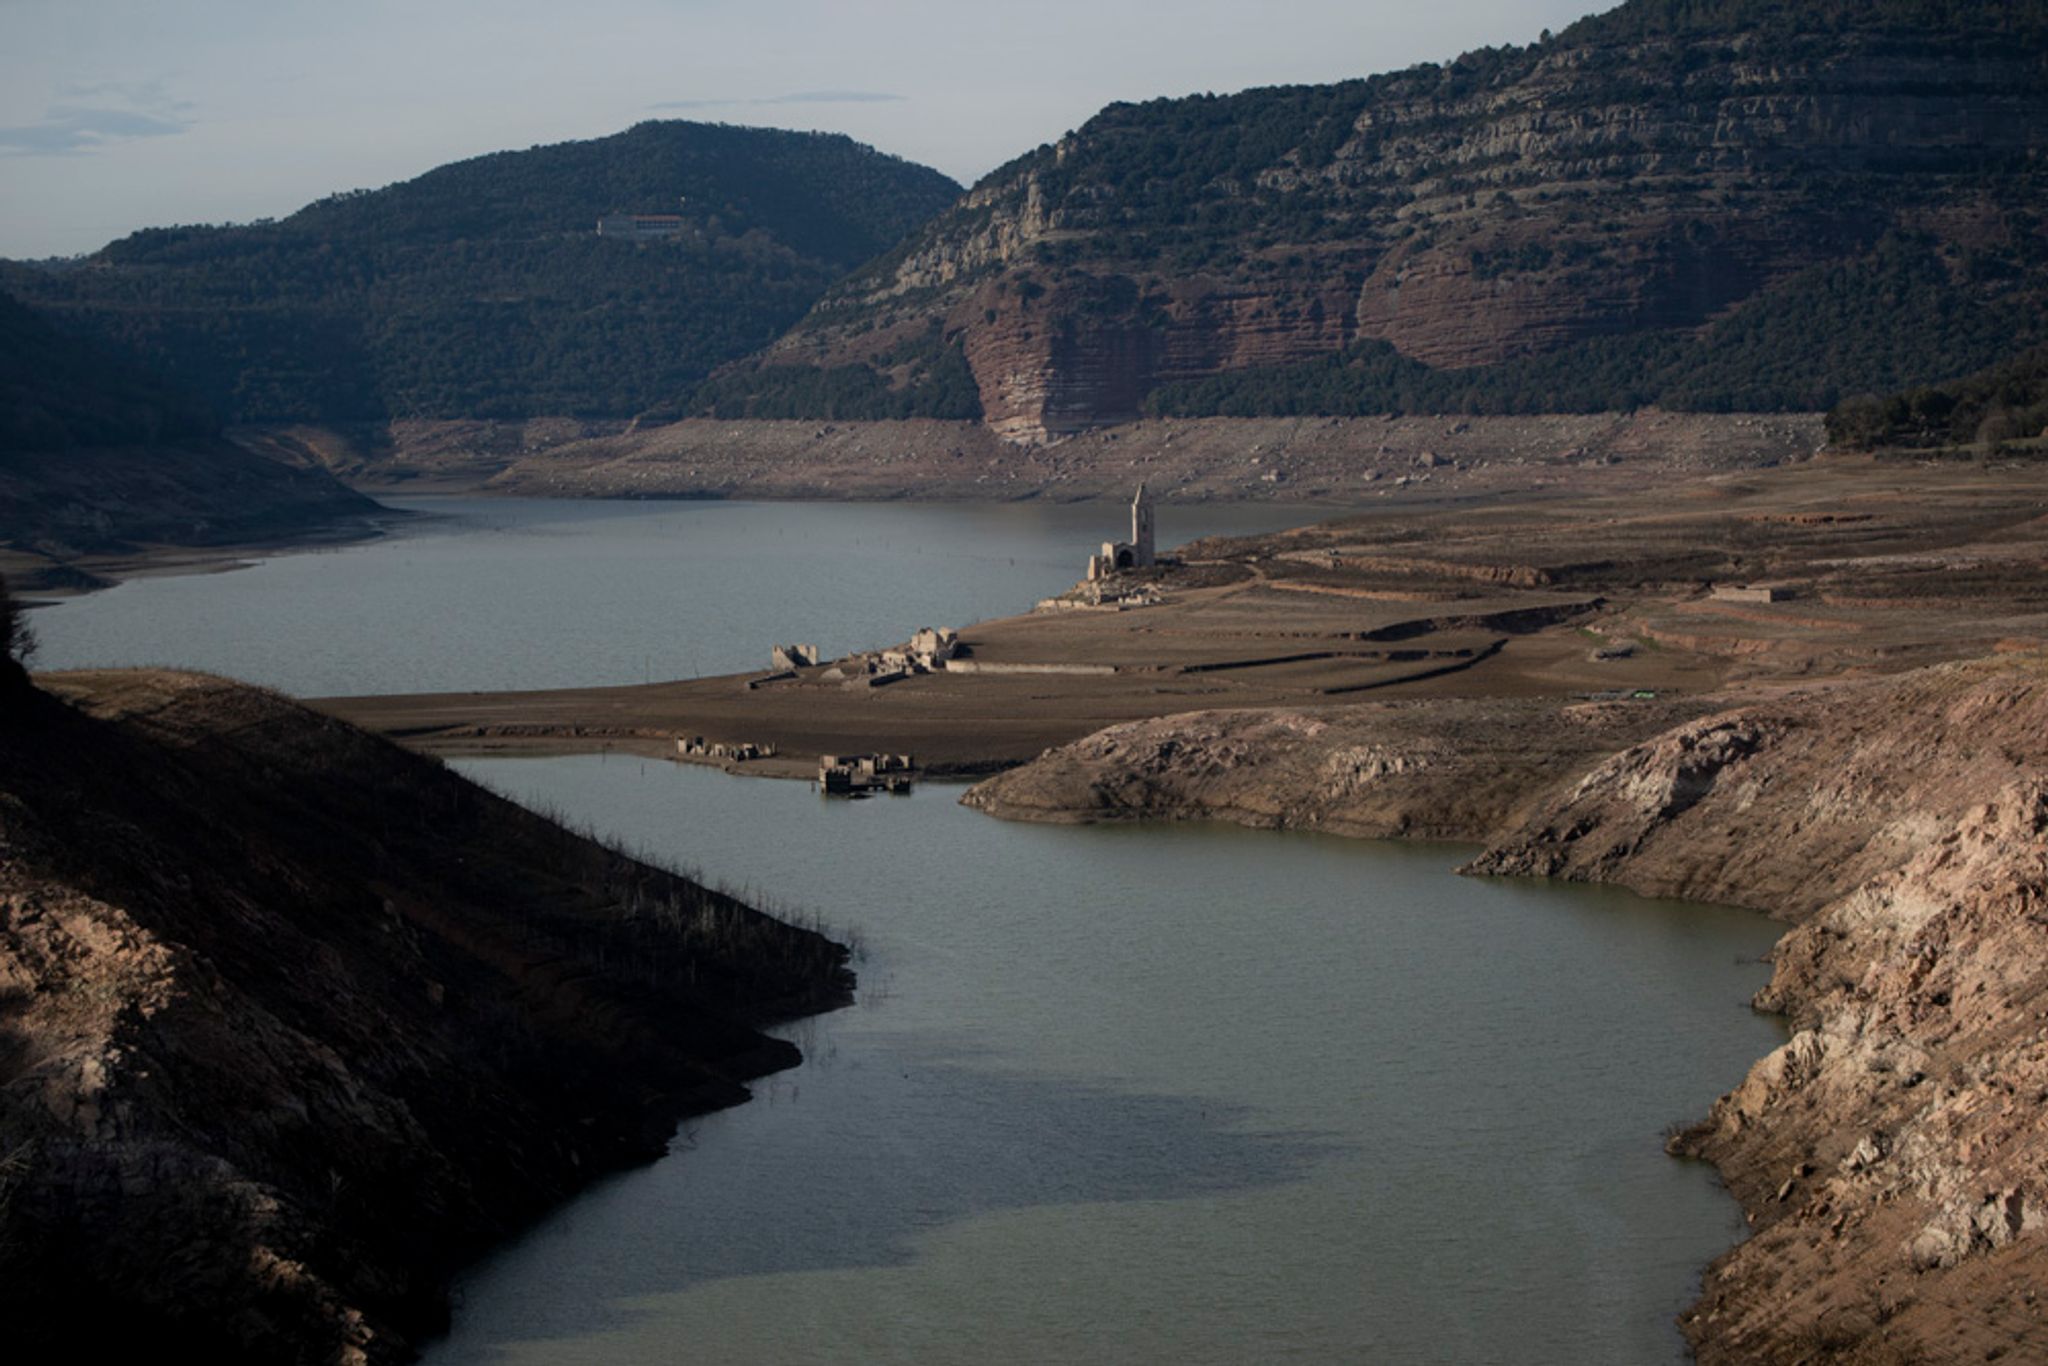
[1235, 646]
[292, 1022]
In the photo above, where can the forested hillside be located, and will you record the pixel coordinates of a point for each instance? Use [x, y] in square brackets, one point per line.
[2006, 402]
[1707, 204]
[98, 455]
[58, 393]
[483, 288]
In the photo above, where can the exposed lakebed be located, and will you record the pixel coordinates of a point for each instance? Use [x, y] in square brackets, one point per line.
[1145, 1094]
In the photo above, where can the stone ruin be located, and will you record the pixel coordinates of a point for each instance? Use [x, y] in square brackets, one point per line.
[1729, 592]
[928, 652]
[850, 774]
[930, 648]
[695, 747]
[789, 658]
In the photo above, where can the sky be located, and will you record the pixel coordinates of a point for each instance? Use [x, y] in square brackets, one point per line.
[122, 114]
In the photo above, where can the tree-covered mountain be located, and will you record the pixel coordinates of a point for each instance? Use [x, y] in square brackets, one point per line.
[58, 393]
[1710, 204]
[97, 454]
[2004, 402]
[484, 289]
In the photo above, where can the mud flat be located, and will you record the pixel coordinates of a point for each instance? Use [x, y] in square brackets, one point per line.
[1049, 679]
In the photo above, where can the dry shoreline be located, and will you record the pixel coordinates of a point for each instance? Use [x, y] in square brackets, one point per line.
[1341, 461]
[1863, 752]
[44, 578]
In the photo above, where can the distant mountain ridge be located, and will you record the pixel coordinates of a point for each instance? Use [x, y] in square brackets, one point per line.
[1742, 204]
[482, 288]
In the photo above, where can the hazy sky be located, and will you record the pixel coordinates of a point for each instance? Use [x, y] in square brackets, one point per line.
[120, 114]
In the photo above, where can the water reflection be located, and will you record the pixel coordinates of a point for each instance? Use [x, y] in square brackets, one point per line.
[1187, 1094]
[848, 1164]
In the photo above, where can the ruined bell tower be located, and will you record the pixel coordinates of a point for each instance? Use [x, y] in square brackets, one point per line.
[1139, 552]
[1144, 553]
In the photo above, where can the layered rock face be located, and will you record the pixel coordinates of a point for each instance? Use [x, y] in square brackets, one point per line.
[292, 1023]
[1637, 175]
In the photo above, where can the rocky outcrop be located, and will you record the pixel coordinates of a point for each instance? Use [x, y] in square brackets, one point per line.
[1448, 769]
[1787, 804]
[293, 1023]
[1893, 1155]
[1633, 176]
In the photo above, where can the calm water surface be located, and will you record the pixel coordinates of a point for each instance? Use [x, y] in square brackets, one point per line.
[484, 594]
[1169, 1094]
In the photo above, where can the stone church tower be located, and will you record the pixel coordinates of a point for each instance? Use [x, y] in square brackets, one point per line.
[1140, 552]
[1144, 554]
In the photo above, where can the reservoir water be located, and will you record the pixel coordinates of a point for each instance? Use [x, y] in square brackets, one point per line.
[1161, 1094]
[489, 593]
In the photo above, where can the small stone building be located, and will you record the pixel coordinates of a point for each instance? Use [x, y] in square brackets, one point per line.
[930, 647]
[1728, 592]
